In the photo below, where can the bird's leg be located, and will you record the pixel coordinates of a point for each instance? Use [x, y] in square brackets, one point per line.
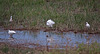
[47, 48]
[50, 31]
[11, 36]
[88, 29]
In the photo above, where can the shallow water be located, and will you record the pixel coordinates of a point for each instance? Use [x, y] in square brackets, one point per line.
[39, 37]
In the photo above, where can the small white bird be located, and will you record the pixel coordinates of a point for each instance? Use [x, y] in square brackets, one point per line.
[87, 24]
[10, 19]
[10, 32]
[50, 23]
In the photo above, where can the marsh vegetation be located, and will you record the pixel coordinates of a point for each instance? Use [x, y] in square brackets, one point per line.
[67, 14]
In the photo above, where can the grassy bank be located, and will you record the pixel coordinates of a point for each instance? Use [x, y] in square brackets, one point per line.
[93, 48]
[70, 14]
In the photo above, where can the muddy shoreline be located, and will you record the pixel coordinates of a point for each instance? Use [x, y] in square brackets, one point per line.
[39, 47]
[89, 31]
[36, 46]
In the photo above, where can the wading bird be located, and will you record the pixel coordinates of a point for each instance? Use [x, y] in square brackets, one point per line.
[87, 24]
[11, 32]
[50, 23]
[10, 19]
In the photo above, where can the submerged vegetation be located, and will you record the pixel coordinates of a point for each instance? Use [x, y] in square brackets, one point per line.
[70, 14]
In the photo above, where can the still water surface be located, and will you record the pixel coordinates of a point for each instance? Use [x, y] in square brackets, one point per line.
[39, 37]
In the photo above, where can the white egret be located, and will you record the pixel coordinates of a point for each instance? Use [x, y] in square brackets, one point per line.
[10, 32]
[50, 23]
[87, 24]
[10, 19]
